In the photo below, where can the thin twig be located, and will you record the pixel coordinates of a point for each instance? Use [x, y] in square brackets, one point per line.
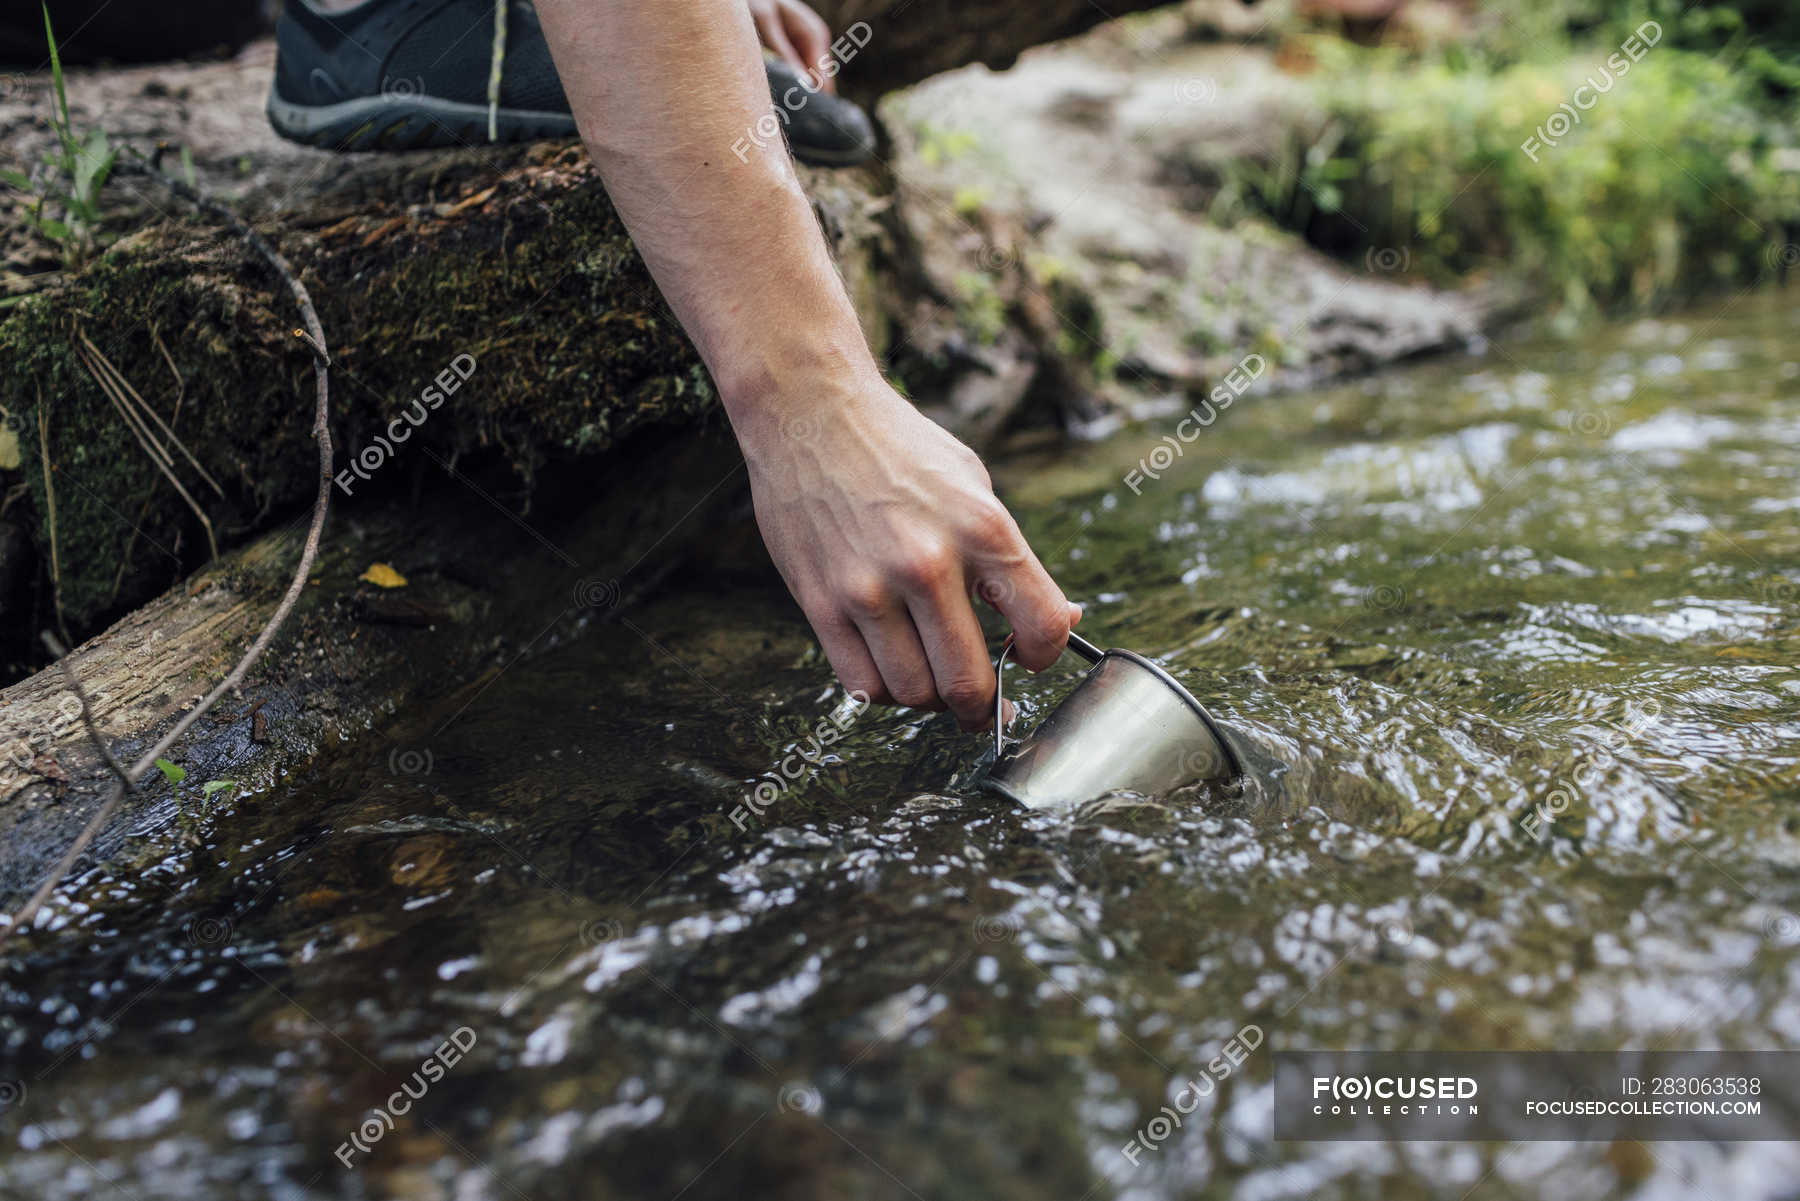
[104, 377]
[43, 417]
[87, 710]
[309, 550]
[180, 384]
[93, 361]
[145, 409]
[149, 496]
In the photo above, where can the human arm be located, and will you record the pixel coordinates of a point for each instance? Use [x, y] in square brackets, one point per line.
[880, 522]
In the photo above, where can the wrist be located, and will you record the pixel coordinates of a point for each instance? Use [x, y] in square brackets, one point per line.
[781, 387]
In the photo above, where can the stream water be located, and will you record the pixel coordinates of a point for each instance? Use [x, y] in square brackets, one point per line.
[1522, 626]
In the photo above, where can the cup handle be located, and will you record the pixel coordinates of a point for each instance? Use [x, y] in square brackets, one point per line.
[1081, 646]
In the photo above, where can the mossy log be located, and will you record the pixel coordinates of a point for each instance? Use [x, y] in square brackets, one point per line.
[512, 267]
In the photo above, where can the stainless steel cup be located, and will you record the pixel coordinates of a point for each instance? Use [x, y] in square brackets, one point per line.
[1127, 727]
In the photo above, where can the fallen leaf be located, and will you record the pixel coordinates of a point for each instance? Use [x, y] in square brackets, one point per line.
[383, 576]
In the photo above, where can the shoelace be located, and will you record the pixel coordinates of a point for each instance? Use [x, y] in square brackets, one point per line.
[495, 68]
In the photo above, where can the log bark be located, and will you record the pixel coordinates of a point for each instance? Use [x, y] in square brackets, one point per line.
[911, 40]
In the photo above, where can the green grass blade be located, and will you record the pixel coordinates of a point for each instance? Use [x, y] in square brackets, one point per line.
[62, 96]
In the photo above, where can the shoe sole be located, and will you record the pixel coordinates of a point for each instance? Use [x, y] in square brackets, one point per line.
[426, 122]
[832, 158]
[409, 123]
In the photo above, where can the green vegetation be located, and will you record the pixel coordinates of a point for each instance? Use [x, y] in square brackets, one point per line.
[1668, 176]
[176, 774]
[70, 179]
[1757, 39]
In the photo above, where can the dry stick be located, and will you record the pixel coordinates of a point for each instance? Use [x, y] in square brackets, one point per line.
[180, 384]
[87, 711]
[50, 511]
[133, 422]
[144, 508]
[145, 438]
[314, 335]
[145, 409]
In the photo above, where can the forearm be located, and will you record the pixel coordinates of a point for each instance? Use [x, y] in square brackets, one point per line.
[880, 522]
[662, 91]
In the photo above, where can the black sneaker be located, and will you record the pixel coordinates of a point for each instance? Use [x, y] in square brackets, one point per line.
[821, 129]
[408, 74]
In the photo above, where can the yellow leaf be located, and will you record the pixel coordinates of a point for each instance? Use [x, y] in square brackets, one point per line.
[383, 576]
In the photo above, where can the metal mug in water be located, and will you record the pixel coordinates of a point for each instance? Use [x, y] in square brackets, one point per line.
[1127, 727]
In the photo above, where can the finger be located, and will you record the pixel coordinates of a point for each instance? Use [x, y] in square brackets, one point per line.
[810, 36]
[894, 643]
[957, 652]
[1039, 613]
[774, 35]
[850, 659]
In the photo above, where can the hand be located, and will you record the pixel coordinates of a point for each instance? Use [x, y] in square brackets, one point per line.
[883, 524]
[796, 33]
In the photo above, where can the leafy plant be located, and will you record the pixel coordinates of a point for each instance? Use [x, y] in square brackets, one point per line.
[174, 773]
[71, 177]
[1676, 180]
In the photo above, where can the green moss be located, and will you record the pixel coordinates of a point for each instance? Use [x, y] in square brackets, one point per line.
[938, 145]
[568, 360]
[980, 308]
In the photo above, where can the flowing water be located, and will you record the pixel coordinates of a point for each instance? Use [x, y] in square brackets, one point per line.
[1523, 628]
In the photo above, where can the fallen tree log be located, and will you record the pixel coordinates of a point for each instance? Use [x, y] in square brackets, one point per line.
[912, 40]
[480, 590]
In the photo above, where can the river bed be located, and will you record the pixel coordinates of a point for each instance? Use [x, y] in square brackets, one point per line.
[1522, 629]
